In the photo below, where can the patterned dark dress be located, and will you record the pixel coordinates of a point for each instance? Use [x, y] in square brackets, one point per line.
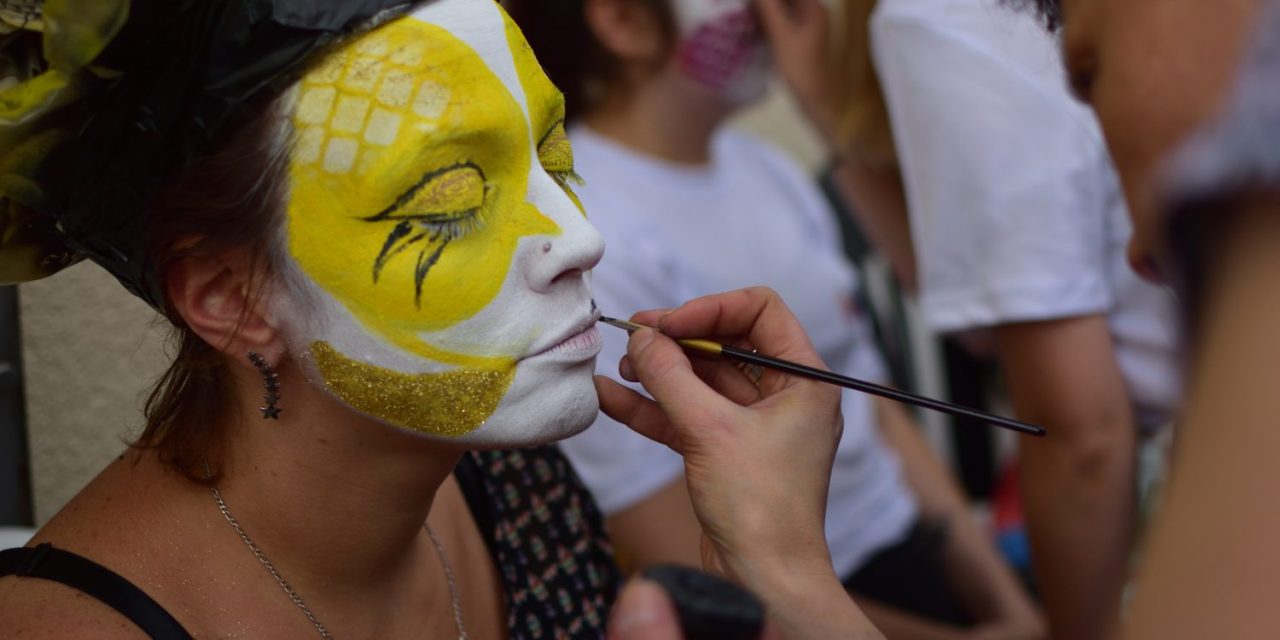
[540, 524]
[547, 539]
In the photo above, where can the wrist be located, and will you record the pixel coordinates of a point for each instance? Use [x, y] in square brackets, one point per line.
[790, 578]
[811, 604]
[763, 552]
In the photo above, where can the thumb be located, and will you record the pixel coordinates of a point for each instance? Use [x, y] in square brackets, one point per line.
[666, 373]
[644, 612]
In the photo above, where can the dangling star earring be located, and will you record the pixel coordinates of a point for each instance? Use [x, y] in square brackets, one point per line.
[273, 386]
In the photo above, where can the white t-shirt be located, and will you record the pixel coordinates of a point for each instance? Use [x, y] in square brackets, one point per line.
[751, 217]
[1015, 209]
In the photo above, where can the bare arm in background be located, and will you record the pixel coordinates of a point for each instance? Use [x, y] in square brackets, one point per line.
[1077, 482]
[660, 529]
[986, 587]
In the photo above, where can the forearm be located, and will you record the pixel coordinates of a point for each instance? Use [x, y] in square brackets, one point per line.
[935, 491]
[1077, 482]
[808, 604]
[1079, 511]
[983, 582]
[790, 569]
[987, 587]
[894, 623]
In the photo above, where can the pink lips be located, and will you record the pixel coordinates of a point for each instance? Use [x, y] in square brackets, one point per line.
[588, 341]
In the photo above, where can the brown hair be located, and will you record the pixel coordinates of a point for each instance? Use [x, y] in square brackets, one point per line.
[575, 60]
[865, 130]
[230, 198]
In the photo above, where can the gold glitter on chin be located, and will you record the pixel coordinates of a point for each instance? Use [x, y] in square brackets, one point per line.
[446, 404]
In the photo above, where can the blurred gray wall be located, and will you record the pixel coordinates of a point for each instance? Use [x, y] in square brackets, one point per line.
[89, 351]
[778, 120]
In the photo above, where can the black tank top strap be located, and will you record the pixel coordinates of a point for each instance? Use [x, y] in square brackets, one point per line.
[96, 581]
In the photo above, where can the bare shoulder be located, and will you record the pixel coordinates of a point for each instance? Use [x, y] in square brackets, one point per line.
[104, 524]
[36, 609]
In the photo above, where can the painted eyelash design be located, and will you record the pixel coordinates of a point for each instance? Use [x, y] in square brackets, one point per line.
[432, 231]
[567, 178]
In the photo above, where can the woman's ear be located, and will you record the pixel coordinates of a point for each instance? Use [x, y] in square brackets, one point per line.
[632, 31]
[223, 299]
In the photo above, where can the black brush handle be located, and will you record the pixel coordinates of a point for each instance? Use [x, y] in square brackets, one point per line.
[709, 608]
[801, 370]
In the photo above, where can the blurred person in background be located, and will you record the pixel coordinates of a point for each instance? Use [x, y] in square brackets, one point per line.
[1020, 227]
[1197, 148]
[687, 206]
[1162, 78]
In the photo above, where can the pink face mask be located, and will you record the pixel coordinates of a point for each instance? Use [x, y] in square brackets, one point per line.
[722, 48]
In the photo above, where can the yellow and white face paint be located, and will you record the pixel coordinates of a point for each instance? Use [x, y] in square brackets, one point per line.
[431, 222]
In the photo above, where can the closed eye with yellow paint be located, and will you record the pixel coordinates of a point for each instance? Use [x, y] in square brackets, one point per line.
[431, 210]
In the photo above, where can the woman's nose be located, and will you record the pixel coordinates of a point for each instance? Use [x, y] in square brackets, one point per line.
[566, 256]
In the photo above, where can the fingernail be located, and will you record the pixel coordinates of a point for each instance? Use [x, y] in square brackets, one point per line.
[662, 320]
[626, 369]
[638, 612]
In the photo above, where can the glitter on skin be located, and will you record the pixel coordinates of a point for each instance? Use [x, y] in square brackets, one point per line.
[451, 404]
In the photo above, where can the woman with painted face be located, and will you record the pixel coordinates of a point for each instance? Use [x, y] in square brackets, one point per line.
[358, 217]
[689, 206]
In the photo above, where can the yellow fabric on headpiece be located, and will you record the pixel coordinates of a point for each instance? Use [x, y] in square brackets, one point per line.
[37, 82]
[30, 247]
[74, 33]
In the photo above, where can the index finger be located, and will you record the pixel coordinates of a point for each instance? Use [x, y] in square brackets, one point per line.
[757, 314]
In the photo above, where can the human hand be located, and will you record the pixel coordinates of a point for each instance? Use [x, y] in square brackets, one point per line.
[643, 612]
[757, 458]
[799, 36]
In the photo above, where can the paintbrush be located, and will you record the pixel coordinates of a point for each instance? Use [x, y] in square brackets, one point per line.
[804, 371]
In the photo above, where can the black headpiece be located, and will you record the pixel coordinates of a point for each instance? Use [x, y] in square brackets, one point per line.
[100, 100]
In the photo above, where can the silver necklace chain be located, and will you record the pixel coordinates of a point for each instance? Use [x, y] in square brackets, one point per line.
[455, 598]
[453, 584]
[262, 558]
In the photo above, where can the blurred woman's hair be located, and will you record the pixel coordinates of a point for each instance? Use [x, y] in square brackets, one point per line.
[1049, 10]
[230, 199]
[865, 130]
[569, 51]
